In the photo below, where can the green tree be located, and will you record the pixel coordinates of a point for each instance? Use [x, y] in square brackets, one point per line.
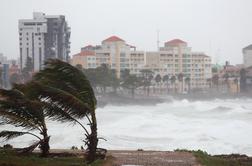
[132, 82]
[147, 76]
[91, 74]
[20, 109]
[209, 81]
[124, 74]
[103, 77]
[180, 79]
[215, 80]
[166, 80]
[226, 80]
[173, 81]
[114, 81]
[188, 83]
[68, 90]
[158, 79]
[236, 81]
[243, 77]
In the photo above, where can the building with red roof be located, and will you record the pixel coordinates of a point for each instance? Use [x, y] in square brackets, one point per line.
[174, 58]
[175, 42]
[113, 39]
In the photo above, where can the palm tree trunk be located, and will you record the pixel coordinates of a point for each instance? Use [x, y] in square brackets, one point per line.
[167, 86]
[132, 92]
[44, 145]
[148, 91]
[92, 140]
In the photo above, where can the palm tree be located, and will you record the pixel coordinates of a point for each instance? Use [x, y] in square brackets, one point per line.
[69, 92]
[21, 110]
[132, 82]
[180, 78]
[173, 80]
[103, 76]
[215, 80]
[209, 81]
[226, 79]
[236, 81]
[147, 76]
[188, 81]
[114, 81]
[243, 77]
[124, 74]
[158, 79]
[166, 79]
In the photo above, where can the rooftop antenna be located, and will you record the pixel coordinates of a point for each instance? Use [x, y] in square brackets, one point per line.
[158, 40]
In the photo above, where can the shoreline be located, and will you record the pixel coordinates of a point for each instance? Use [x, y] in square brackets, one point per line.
[121, 100]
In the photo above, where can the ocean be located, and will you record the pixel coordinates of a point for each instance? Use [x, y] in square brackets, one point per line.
[216, 126]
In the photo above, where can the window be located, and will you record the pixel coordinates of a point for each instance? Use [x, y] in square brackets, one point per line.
[29, 24]
[122, 54]
[27, 52]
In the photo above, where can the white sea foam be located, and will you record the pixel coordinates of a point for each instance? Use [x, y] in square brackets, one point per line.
[217, 126]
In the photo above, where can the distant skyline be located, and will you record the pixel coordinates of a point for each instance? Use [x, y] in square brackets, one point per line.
[220, 28]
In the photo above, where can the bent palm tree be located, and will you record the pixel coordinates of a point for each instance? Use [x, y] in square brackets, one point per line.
[71, 97]
[16, 108]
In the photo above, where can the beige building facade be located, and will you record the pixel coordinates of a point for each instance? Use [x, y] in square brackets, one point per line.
[174, 59]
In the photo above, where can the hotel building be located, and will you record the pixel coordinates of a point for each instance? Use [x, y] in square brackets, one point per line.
[172, 59]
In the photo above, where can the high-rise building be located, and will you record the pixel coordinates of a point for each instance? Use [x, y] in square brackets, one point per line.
[43, 37]
[3, 59]
[247, 56]
[174, 59]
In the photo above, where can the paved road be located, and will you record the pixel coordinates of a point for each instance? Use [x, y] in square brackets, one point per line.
[153, 158]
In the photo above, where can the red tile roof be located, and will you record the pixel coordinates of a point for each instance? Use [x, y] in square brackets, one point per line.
[113, 39]
[176, 41]
[85, 53]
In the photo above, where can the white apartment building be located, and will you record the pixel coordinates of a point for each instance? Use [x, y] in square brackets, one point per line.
[247, 56]
[43, 37]
[172, 59]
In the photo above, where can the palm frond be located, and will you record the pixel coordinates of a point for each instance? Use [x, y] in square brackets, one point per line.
[17, 121]
[17, 108]
[29, 148]
[7, 135]
[64, 76]
[64, 100]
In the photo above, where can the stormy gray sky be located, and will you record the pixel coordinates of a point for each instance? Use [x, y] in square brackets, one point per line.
[220, 28]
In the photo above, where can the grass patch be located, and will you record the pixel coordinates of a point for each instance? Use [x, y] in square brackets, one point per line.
[220, 160]
[10, 158]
